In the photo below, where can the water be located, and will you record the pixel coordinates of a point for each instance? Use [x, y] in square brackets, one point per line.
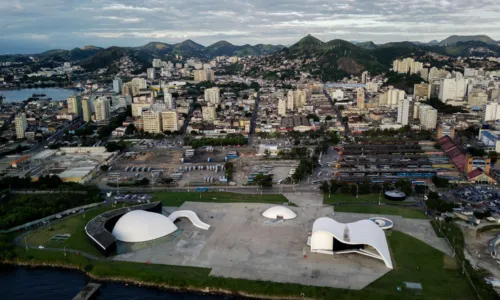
[22, 94]
[53, 284]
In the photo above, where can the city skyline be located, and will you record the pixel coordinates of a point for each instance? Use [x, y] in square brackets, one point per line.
[29, 29]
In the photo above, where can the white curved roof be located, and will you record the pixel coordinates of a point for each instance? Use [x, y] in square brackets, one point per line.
[140, 226]
[191, 215]
[395, 194]
[279, 211]
[364, 232]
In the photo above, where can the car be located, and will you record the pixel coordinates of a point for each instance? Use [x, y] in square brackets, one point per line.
[41, 247]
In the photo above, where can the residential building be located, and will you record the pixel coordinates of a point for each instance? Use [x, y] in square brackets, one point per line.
[102, 109]
[152, 121]
[364, 77]
[140, 82]
[403, 111]
[491, 112]
[391, 97]
[75, 105]
[445, 129]
[21, 125]
[204, 75]
[336, 94]
[212, 96]
[477, 98]
[360, 97]
[87, 109]
[151, 73]
[407, 65]
[117, 85]
[428, 117]
[289, 101]
[208, 113]
[130, 89]
[299, 98]
[169, 121]
[282, 106]
[167, 98]
[452, 89]
[421, 91]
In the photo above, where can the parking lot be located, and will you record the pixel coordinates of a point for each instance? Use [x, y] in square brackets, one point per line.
[132, 198]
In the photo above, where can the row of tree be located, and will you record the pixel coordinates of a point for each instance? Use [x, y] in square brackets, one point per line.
[229, 140]
[365, 187]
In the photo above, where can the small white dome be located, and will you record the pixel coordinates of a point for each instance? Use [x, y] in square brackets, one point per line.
[279, 212]
[140, 226]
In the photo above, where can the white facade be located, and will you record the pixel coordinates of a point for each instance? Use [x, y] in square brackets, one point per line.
[491, 112]
[117, 85]
[360, 234]
[403, 111]
[167, 98]
[360, 98]
[75, 105]
[141, 83]
[282, 106]
[102, 109]
[141, 226]
[364, 77]
[452, 89]
[279, 212]
[208, 113]
[152, 121]
[393, 96]
[337, 94]
[212, 95]
[169, 121]
[428, 117]
[289, 101]
[151, 73]
[21, 125]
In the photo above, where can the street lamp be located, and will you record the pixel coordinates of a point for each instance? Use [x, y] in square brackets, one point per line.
[65, 250]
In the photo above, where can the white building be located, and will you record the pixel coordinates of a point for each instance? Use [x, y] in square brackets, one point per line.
[336, 94]
[289, 101]
[141, 226]
[407, 65]
[364, 77]
[151, 73]
[168, 99]
[360, 98]
[212, 96]
[102, 109]
[362, 237]
[491, 112]
[87, 109]
[117, 85]
[141, 83]
[477, 98]
[282, 106]
[428, 117]
[451, 89]
[21, 125]
[208, 113]
[204, 75]
[403, 111]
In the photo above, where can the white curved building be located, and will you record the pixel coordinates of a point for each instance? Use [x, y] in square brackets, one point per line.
[364, 237]
[140, 226]
[279, 212]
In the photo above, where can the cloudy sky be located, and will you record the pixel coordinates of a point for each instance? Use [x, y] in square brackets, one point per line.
[33, 25]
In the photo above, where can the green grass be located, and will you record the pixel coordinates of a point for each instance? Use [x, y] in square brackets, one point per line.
[176, 199]
[75, 226]
[343, 198]
[381, 210]
[414, 261]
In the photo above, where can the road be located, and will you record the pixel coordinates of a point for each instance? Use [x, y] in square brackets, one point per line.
[347, 131]
[253, 121]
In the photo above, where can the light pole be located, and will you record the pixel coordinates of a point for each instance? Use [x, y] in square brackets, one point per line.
[65, 250]
[26, 241]
[357, 190]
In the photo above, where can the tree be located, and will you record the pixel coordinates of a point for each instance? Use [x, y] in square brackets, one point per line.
[264, 180]
[420, 189]
[255, 85]
[493, 155]
[405, 186]
[440, 182]
[335, 138]
[114, 146]
[104, 168]
[131, 129]
[328, 118]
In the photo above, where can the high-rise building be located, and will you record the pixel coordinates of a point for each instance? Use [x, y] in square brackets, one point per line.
[403, 111]
[87, 109]
[360, 97]
[494, 94]
[282, 106]
[130, 89]
[152, 121]
[289, 101]
[151, 73]
[157, 63]
[299, 98]
[428, 117]
[392, 96]
[477, 98]
[168, 99]
[21, 125]
[421, 91]
[102, 109]
[407, 65]
[424, 74]
[445, 129]
[452, 89]
[491, 112]
[169, 121]
[140, 82]
[208, 112]
[364, 77]
[75, 105]
[212, 96]
[204, 75]
[117, 85]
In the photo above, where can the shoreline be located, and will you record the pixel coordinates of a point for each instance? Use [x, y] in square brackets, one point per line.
[128, 281]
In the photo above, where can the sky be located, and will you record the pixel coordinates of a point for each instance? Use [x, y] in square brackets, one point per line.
[30, 26]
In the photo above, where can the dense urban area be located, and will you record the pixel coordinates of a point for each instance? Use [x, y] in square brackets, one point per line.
[399, 135]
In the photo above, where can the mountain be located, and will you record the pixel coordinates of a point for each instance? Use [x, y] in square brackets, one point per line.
[222, 48]
[467, 38]
[433, 43]
[367, 45]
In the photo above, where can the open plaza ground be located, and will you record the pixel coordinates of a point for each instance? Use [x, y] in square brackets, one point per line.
[243, 244]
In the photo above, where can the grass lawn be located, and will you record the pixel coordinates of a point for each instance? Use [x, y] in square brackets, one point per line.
[73, 225]
[414, 261]
[177, 198]
[381, 210]
[343, 198]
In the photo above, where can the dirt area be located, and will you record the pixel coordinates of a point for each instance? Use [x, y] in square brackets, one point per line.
[476, 250]
[245, 166]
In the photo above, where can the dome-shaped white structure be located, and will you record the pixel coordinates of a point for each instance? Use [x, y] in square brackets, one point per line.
[140, 226]
[279, 212]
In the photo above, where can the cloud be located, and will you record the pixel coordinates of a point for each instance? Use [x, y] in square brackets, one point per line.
[68, 24]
